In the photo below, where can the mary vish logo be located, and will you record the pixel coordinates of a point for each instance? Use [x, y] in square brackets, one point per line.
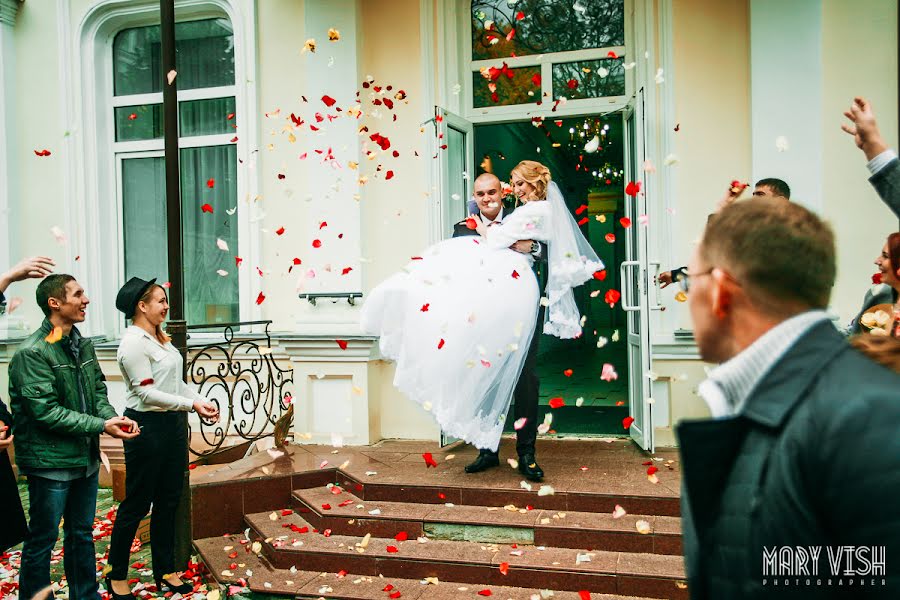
[851, 566]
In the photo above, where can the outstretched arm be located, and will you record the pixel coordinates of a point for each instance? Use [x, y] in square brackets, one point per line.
[883, 162]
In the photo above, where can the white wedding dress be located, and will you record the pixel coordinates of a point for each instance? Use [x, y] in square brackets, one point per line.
[459, 320]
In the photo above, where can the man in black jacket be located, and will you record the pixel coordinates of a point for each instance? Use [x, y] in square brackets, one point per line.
[14, 529]
[798, 472]
[487, 192]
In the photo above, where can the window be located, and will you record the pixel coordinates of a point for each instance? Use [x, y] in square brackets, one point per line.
[526, 52]
[208, 160]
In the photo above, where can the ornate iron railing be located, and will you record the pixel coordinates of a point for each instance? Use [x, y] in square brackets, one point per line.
[237, 372]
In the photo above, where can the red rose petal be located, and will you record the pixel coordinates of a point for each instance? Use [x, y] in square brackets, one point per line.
[627, 421]
[279, 231]
[581, 209]
[568, 372]
[582, 221]
[317, 243]
[557, 402]
[401, 537]
[297, 261]
[207, 208]
[425, 307]
[584, 594]
[429, 460]
[328, 100]
[651, 470]
[210, 183]
[389, 175]
[393, 549]
[633, 188]
[876, 278]
[485, 593]
[611, 297]
[504, 568]
[346, 270]
[441, 344]
[610, 237]
[342, 344]
[626, 222]
[147, 381]
[600, 275]
[471, 223]
[515, 274]
[261, 298]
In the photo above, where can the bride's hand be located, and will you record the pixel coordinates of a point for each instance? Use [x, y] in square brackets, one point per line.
[480, 227]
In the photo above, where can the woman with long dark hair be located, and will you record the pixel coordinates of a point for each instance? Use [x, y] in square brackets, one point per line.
[158, 400]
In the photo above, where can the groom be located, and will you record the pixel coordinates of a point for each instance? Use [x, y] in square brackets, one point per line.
[491, 211]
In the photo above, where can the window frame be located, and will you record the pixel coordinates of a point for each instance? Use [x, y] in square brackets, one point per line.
[154, 148]
[545, 61]
[93, 201]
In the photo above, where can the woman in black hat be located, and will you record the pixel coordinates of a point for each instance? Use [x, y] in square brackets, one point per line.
[158, 400]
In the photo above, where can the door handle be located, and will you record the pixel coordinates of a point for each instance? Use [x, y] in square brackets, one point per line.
[657, 305]
[626, 285]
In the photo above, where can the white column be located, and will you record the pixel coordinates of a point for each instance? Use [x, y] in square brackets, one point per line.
[332, 71]
[786, 95]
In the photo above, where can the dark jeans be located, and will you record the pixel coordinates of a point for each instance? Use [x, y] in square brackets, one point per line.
[155, 462]
[49, 501]
[526, 395]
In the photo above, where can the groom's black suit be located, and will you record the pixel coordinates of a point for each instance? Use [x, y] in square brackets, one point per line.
[525, 396]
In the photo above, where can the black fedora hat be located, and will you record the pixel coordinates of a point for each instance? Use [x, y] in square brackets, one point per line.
[128, 297]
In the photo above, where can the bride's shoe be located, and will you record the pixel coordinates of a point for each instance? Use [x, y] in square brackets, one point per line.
[485, 461]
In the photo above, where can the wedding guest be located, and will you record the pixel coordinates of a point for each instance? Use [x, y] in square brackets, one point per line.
[802, 447]
[14, 527]
[158, 400]
[770, 187]
[888, 263]
[59, 401]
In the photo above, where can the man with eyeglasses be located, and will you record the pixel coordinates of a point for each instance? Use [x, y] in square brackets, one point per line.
[802, 450]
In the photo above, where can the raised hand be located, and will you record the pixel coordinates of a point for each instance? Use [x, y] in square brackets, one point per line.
[863, 128]
[35, 267]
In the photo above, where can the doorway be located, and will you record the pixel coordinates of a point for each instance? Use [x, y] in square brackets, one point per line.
[593, 184]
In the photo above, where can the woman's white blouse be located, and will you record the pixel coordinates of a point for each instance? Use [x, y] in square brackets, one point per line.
[152, 373]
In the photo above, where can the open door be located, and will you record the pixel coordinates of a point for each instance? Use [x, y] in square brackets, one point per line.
[635, 274]
[456, 151]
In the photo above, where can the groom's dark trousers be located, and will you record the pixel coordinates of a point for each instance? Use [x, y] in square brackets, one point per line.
[526, 394]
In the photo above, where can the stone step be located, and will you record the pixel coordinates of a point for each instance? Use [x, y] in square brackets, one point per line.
[347, 514]
[666, 504]
[290, 541]
[262, 578]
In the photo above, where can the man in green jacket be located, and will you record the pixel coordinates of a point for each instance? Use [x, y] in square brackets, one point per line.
[60, 408]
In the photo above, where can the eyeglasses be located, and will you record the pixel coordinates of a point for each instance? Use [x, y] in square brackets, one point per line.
[685, 280]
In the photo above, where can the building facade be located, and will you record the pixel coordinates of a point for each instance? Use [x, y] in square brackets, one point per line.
[324, 143]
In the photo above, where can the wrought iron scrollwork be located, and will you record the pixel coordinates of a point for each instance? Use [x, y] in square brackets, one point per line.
[238, 373]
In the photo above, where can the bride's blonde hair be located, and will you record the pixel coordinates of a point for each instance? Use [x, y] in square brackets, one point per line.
[534, 173]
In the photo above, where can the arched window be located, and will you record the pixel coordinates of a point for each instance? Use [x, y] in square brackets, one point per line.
[205, 65]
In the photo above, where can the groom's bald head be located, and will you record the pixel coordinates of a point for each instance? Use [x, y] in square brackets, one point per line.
[487, 194]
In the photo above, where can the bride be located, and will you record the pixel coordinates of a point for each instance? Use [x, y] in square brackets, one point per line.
[458, 320]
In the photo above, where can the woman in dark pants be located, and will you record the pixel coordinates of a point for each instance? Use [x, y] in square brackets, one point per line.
[14, 528]
[158, 400]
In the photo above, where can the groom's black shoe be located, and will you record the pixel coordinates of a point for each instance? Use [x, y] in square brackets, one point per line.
[485, 461]
[529, 468]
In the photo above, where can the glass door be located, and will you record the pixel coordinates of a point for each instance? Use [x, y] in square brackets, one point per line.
[635, 271]
[457, 162]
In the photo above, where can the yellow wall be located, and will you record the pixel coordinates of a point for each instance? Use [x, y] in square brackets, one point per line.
[859, 58]
[711, 50]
